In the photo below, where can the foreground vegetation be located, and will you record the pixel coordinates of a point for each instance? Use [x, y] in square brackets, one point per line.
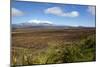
[64, 52]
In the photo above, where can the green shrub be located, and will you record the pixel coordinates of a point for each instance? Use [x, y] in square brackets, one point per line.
[84, 50]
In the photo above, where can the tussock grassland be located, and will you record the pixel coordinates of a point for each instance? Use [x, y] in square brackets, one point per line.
[52, 46]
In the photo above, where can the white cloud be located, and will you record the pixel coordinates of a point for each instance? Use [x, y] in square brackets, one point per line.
[91, 9]
[39, 21]
[59, 12]
[16, 12]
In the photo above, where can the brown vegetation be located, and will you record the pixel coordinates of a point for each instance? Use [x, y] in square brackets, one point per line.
[27, 43]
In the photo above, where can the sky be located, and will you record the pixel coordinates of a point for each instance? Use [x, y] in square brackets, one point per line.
[52, 13]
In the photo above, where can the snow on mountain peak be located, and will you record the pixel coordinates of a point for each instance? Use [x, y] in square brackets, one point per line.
[35, 21]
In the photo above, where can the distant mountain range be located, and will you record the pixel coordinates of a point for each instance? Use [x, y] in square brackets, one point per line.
[44, 26]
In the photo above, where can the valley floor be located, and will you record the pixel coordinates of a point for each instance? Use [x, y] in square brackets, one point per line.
[50, 46]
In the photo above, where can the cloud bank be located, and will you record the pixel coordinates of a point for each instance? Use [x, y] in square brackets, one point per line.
[59, 12]
[16, 12]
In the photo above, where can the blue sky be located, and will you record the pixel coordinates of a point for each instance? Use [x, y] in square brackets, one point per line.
[58, 14]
